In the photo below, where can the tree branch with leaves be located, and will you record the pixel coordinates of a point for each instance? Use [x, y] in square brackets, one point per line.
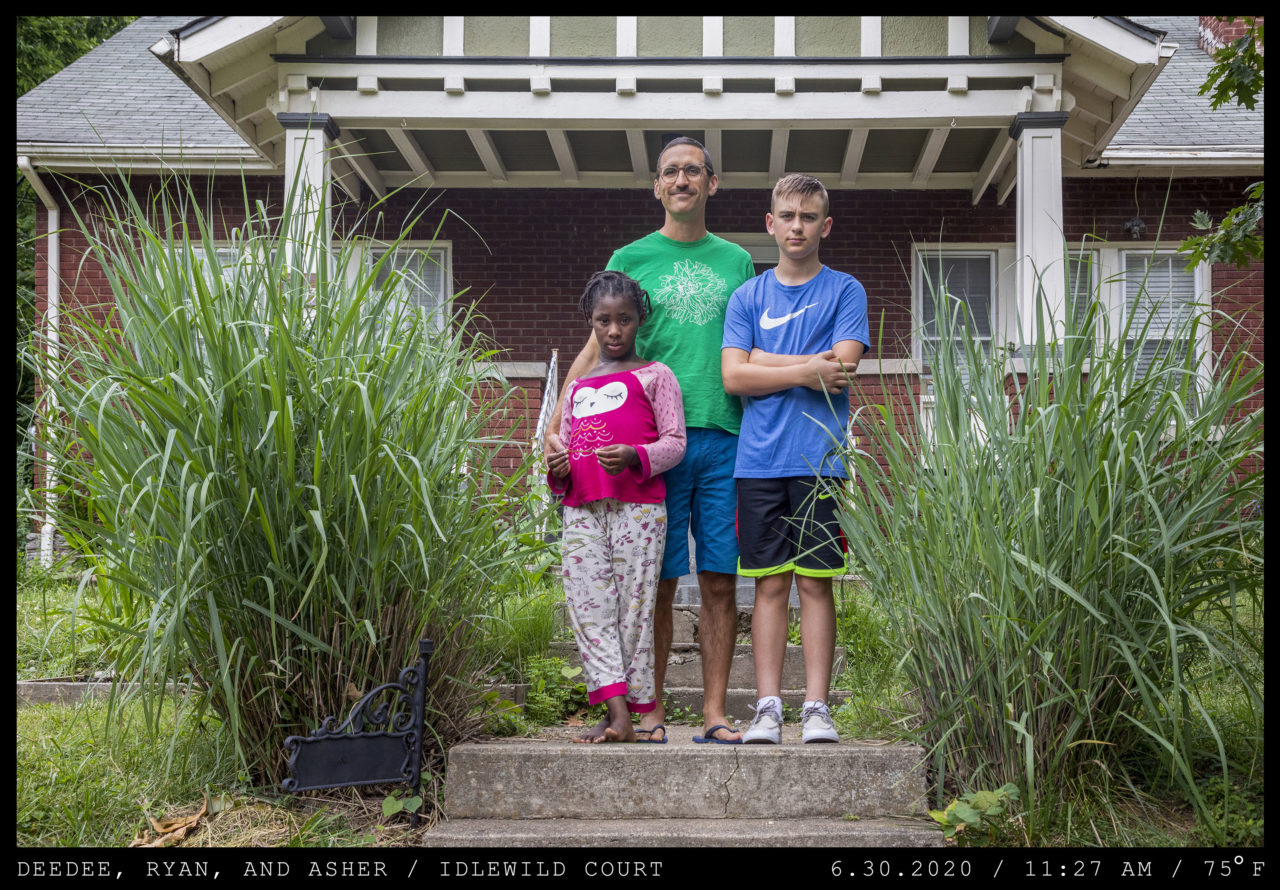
[1237, 76]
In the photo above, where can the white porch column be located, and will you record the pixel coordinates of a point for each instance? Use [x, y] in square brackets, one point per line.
[1040, 245]
[307, 141]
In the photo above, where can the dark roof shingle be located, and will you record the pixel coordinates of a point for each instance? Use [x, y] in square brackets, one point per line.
[1172, 113]
[120, 94]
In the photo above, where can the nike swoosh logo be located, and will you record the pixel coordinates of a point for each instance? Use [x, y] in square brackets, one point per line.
[770, 323]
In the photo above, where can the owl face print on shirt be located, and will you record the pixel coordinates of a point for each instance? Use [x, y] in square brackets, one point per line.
[590, 430]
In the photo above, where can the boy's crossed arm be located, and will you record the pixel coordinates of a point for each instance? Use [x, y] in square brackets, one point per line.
[760, 373]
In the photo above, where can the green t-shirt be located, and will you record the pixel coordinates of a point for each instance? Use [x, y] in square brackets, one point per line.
[689, 285]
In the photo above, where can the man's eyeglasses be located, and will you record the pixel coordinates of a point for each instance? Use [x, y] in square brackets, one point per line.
[691, 171]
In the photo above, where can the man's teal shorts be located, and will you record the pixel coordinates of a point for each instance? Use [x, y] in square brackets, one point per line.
[701, 495]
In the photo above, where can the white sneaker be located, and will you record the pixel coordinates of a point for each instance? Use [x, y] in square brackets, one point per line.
[765, 728]
[817, 725]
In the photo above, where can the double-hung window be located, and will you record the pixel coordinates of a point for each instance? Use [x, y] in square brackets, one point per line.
[761, 246]
[1135, 285]
[964, 282]
[225, 257]
[423, 270]
[1160, 298]
[1082, 287]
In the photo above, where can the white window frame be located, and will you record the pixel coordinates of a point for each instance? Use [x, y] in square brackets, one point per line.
[1108, 261]
[369, 251]
[364, 253]
[1090, 254]
[1003, 307]
[920, 283]
[1114, 261]
[761, 245]
[225, 245]
[220, 247]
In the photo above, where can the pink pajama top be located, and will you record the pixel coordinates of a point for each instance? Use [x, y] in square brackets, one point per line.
[641, 407]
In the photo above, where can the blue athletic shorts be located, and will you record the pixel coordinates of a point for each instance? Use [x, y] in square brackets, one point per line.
[701, 495]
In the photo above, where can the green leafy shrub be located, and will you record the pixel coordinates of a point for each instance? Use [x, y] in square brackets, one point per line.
[1065, 554]
[289, 471]
[878, 698]
[1237, 813]
[861, 628]
[503, 717]
[974, 812]
[556, 691]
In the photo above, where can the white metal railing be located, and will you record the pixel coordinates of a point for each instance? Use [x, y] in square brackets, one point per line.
[550, 394]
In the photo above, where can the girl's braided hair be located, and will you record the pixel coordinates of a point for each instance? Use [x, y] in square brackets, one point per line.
[611, 282]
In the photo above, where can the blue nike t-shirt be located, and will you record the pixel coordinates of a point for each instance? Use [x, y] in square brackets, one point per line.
[794, 432]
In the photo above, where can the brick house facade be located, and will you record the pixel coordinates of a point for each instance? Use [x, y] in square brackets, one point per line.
[1216, 33]
[526, 276]
[539, 209]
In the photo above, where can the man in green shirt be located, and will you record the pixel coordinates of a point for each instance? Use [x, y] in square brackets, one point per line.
[689, 275]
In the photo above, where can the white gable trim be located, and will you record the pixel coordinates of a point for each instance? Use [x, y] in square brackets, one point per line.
[181, 158]
[1109, 37]
[221, 34]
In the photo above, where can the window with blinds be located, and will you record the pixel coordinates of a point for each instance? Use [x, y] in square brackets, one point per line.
[1160, 299]
[760, 245]
[422, 273]
[225, 259]
[968, 282]
[229, 259]
[1081, 282]
[1082, 290]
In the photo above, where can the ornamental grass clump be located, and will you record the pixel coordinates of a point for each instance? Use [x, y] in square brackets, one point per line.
[288, 470]
[1068, 555]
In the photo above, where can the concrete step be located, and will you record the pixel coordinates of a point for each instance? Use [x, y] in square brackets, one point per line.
[74, 692]
[61, 692]
[553, 778]
[685, 620]
[684, 666]
[819, 831]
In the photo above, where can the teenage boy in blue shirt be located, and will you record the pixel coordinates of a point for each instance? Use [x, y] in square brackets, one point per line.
[780, 327]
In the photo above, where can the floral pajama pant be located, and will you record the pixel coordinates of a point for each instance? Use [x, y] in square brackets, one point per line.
[612, 557]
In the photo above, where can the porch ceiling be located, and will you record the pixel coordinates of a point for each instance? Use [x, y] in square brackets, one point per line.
[484, 122]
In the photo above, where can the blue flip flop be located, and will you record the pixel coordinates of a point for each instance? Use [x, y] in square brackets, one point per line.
[651, 740]
[711, 733]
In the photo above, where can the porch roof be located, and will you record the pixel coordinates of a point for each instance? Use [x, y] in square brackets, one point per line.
[513, 121]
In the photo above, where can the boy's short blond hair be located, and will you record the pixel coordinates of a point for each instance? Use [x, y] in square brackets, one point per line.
[800, 185]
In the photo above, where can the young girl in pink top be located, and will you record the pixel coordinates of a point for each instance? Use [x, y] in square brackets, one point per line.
[625, 427]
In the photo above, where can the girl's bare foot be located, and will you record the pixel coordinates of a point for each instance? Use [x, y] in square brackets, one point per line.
[595, 733]
[614, 726]
[620, 733]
